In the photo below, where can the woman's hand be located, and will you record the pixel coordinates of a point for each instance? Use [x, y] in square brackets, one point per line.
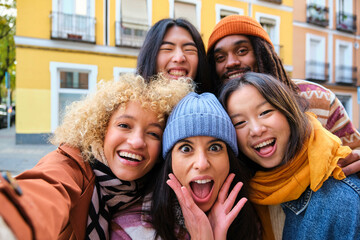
[196, 221]
[351, 163]
[223, 213]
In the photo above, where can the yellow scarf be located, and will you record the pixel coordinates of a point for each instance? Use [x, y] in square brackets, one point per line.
[315, 163]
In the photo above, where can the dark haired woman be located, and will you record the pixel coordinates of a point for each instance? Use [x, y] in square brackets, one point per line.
[299, 190]
[174, 47]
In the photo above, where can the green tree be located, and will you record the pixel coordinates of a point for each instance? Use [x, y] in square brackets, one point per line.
[7, 44]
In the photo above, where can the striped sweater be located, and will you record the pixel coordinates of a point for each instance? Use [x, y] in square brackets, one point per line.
[331, 113]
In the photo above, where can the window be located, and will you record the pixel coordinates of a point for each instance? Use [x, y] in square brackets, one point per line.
[132, 22]
[316, 67]
[346, 102]
[344, 69]
[118, 71]
[73, 20]
[69, 82]
[223, 11]
[188, 9]
[271, 24]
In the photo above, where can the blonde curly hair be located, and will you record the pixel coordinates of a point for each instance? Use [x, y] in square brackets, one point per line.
[85, 122]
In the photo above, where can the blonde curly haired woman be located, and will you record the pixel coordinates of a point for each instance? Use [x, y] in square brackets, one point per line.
[109, 145]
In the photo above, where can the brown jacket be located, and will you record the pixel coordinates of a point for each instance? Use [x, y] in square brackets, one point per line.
[55, 198]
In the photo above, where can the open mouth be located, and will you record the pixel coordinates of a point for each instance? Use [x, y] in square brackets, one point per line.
[202, 188]
[178, 73]
[236, 73]
[265, 147]
[130, 156]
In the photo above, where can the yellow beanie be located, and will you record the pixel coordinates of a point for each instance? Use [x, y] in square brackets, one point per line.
[237, 25]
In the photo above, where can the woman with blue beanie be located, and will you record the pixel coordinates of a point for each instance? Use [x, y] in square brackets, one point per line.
[204, 202]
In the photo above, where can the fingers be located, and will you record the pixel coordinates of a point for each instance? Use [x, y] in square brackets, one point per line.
[354, 156]
[176, 187]
[352, 168]
[229, 203]
[235, 211]
[225, 188]
[351, 163]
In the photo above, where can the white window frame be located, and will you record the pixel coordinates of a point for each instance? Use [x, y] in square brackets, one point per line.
[321, 48]
[197, 4]
[348, 8]
[55, 8]
[55, 68]
[348, 105]
[219, 7]
[118, 70]
[348, 58]
[276, 40]
[118, 15]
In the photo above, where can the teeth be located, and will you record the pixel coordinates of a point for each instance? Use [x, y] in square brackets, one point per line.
[177, 72]
[263, 144]
[130, 155]
[202, 181]
[235, 75]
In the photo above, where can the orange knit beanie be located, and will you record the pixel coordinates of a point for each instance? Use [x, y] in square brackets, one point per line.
[234, 25]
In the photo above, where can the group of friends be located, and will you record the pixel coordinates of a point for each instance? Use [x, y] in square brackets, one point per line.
[199, 144]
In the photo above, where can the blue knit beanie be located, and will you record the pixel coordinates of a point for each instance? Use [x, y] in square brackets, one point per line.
[199, 115]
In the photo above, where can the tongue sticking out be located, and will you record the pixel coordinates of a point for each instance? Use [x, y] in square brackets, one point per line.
[201, 190]
[265, 150]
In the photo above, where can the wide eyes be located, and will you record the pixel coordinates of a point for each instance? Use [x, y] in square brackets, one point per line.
[215, 147]
[185, 148]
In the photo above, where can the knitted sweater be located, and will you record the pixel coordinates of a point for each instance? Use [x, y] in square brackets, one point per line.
[331, 113]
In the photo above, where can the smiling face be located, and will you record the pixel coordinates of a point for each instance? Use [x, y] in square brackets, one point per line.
[201, 164]
[178, 55]
[233, 56]
[262, 131]
[132, 142]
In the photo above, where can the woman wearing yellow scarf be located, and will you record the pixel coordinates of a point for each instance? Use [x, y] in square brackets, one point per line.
[298, 188]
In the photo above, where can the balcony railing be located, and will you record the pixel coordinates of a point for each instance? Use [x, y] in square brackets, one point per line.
[72, 27]
[346, 75]
[346, 22]
[317, 15]
[130, 34]
[317, 71]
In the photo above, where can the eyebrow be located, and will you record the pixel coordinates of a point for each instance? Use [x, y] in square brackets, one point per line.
[185, 44]
[211, 141]
[234, 44]
[132, 118]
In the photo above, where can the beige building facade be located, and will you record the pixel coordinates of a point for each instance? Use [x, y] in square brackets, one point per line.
[326, 48]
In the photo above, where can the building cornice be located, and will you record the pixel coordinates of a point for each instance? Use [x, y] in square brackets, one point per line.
[60, 45]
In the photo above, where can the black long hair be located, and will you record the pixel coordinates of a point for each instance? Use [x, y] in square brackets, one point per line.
[290, 104]
[267, 60]
[146, 61]
[245, 225]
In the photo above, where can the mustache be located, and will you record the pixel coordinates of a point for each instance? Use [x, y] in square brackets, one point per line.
[230, 70]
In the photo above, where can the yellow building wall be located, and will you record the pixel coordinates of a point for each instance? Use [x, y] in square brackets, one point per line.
[286, 30]
[160, 10]
[30, 22]
[208, 15]
[34, 83]
[99, 25]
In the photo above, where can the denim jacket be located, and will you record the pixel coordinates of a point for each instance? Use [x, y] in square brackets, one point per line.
[332, 212]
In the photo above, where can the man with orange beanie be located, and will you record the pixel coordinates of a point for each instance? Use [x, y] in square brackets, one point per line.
[239, 44]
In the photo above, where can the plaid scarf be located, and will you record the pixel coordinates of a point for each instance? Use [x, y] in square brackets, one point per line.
[110, 195]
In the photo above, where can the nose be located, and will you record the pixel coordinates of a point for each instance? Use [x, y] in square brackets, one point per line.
[232, 61]
[136, 140]
[179, 56]
[257, 129]
[201, 161]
